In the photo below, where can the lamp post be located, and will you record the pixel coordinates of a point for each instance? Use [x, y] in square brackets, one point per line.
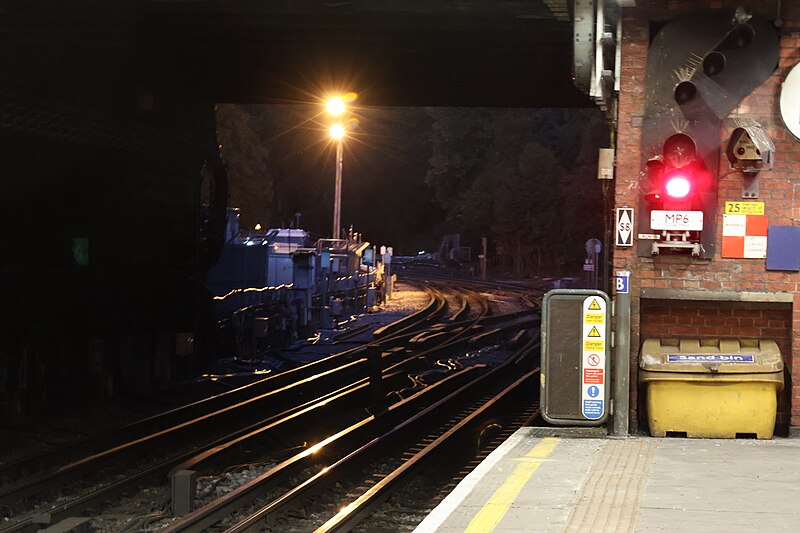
[337, 106]
[337, 133]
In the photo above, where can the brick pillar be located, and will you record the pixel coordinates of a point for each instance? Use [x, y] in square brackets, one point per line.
[635, 39]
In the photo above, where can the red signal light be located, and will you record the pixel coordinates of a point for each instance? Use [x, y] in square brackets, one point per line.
[675, 180]
[678, 184]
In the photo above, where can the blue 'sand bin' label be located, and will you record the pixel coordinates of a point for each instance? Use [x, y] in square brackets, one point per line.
[709, 358]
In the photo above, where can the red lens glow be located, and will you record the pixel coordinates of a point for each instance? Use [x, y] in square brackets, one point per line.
[678, 186]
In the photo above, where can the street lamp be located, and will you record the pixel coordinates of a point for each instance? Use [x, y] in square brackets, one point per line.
[337, 106]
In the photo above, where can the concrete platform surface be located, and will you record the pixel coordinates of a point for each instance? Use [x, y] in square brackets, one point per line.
[562, 480]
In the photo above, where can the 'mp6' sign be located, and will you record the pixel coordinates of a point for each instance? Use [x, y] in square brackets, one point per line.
[676, 220]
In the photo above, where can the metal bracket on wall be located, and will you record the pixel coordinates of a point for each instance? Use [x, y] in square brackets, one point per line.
[749, 185]
[677, 241]
[693, 247]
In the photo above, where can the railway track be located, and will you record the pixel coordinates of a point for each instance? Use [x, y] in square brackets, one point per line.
[435, 431]
[529, 291]
[402, 347]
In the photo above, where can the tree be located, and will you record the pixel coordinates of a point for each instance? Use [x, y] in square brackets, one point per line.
[247, 162]
[522, 178]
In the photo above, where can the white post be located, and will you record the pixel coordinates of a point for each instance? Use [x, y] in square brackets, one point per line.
[337, 199]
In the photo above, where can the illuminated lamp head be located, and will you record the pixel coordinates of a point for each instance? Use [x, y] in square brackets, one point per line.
[680, 155]
[678, 184]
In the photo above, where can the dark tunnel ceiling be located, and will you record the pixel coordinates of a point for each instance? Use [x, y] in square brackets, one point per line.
[393, 52]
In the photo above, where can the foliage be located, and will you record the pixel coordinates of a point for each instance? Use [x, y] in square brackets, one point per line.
[246, 159]
[526, 179]
[523, 178]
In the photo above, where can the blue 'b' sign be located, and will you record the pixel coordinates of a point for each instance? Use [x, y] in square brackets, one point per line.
[622, 282]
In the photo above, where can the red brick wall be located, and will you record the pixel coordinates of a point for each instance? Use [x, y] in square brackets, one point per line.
[779, 190]
[635, 27]
[704, 319]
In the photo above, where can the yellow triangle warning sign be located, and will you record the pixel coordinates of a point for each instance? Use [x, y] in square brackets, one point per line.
[593, 332]
[594, 306]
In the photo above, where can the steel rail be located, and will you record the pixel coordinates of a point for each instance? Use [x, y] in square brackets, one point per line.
[434, 309]
[283, 382]
[524, 287]
[354, 512]
[468, 323]
[462, 310]
[28, 465]
[348, 335]
[192, 457]
[140, 428]
[193, 463]
[36, 484]
[360, 432]
[252, 522]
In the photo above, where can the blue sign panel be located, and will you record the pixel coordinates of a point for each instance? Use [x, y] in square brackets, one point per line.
[622, 282]
[709, 358]
[783, 248]
[593, 409]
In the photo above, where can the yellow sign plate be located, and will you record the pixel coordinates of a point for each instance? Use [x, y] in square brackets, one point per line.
[597, 346]
[744, 208]
[594, 318]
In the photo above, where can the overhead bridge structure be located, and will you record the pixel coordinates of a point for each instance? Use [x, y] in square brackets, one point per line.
[394, 52]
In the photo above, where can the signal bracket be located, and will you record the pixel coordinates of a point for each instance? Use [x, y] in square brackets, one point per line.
[676, 241]
[749, 186]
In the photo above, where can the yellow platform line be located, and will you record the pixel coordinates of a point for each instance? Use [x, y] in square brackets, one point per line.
[497, 506]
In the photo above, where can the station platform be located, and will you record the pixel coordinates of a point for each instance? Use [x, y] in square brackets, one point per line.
[579, 480]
